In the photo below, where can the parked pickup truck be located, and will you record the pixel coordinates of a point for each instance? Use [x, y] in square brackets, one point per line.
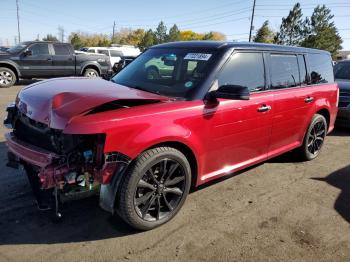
[49, 59]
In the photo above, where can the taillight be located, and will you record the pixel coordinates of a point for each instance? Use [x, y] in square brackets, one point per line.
[337, 96]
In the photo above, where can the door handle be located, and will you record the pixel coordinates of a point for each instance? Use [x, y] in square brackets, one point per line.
[309, 99]
[264, 108]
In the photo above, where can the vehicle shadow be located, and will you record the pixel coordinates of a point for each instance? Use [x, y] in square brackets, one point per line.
[25, 82]
[22, 223]
[340, 179]
[340, 131]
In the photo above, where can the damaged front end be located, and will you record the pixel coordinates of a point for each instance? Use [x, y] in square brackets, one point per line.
[69, 166]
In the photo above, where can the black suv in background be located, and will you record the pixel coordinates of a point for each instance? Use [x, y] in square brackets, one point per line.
[49, 59]
[342, 76]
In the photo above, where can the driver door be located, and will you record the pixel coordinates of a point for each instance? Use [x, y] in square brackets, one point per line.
[38, 63]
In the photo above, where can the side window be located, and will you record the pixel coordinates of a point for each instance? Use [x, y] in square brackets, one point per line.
[302, 70]
[244, 69]
[284, 71]
[39, 49]
[91, 51]
[105, 52]
[61, 49]
[115, 53]
[321, 69]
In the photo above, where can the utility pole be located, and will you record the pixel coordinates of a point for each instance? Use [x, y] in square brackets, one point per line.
[113, 31]
[19, 33]
[61, 33]
[251, 23]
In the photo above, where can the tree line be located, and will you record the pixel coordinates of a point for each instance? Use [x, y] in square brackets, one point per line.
[140, 37]
[317, 31]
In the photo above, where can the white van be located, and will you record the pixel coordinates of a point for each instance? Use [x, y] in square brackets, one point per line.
[115, 53]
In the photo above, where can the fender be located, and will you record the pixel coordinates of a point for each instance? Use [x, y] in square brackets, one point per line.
[13, 64]
[89, 63]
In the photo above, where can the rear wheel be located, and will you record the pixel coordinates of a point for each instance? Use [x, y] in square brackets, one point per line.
[7, 77]
[90, 72]
[314, 138]
[154, 188]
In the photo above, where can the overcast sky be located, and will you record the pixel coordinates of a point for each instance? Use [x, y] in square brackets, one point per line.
[231, 17]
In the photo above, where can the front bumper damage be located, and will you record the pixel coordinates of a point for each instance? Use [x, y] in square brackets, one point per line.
[82, 172]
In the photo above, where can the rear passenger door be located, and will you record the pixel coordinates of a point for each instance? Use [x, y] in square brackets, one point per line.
[293, 101]
[63, 60]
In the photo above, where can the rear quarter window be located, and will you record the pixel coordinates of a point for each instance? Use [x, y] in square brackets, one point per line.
[321, 68]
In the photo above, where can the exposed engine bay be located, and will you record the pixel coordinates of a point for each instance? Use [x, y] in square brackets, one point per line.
[60, 166]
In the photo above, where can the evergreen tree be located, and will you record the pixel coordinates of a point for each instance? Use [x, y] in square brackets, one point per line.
[161, 33]
[148, 40]
[264, 34]
[323, 33]
[50, 37]
[76, 41]
[174, 34]
[292, 28]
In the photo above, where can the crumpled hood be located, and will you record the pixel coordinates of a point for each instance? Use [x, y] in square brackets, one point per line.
[54, 102]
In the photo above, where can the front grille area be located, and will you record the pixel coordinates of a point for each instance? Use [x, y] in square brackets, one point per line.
[34, 133]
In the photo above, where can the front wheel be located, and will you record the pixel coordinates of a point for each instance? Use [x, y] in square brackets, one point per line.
[314, 138]
[154, 188]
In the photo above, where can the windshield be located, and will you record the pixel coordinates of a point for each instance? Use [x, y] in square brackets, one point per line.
[342, 70]
[17, 48]
[169, 72]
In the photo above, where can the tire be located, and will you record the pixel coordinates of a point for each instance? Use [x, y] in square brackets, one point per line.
[7, 77]
[314, 138]
[152, 73]
[90, 72]
[148, 197]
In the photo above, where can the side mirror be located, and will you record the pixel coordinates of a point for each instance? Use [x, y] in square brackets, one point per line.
[234, 92]
[28, 53]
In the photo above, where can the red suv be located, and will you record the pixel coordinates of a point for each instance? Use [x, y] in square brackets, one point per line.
[144, 138]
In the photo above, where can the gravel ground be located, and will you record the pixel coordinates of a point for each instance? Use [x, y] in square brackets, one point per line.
[281, 210]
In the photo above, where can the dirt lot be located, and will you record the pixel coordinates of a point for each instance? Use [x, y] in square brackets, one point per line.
[278, 211]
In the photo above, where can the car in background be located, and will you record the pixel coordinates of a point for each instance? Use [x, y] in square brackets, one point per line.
[342, 76]
[3, 48]
[114, 53]
[40, 59]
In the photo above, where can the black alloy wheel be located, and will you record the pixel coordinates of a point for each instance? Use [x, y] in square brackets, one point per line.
[314, 138]
[160, 190]
[154, 188]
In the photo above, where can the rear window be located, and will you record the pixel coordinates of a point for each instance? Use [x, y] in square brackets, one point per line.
[321, 68]
[115, 53]
[284, 71]
[105, 52]
[61, 49]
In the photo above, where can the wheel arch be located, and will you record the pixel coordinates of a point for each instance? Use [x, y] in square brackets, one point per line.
[92, 66]
[326, 114]
[189, 154]
[12, 67]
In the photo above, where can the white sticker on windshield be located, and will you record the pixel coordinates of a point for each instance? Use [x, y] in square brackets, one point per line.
[197, 56]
